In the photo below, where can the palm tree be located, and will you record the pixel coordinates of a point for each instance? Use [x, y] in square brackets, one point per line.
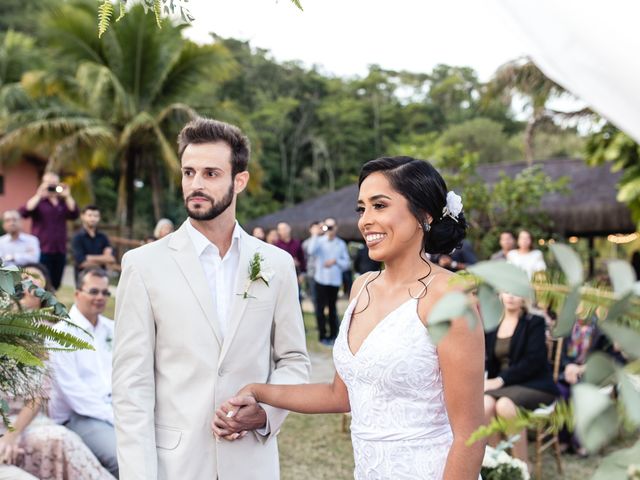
[129, 94]
[522, 77]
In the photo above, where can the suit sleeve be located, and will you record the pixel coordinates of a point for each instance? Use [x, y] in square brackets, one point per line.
[288, 345]
[133, 377]
[534, 358]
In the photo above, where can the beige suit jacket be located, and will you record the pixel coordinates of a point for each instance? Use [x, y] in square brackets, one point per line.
[171, 370]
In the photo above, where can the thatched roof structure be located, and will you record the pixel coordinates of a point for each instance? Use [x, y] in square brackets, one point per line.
[589, 209]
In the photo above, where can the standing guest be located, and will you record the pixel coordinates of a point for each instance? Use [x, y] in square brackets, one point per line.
[518, 372]
[507, 243]
[89, 246]
[293, 247]
[332, 258]
[17, 247]
[258, 232]
[194, 322]
[163, 228]
[81, 380]
[525, 257]
[49, 209]
[272, 237]
[36, 444]
[314, 229]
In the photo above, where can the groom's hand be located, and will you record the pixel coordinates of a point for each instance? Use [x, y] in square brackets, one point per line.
[237, 416]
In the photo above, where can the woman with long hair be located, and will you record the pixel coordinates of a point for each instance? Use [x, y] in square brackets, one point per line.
[414, 404]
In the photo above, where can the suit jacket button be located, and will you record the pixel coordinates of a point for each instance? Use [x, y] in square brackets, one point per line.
[222, 372]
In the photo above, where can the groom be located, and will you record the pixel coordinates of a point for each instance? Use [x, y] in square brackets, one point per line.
[199, 314]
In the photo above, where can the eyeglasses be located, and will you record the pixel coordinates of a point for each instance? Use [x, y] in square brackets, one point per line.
[94, 292]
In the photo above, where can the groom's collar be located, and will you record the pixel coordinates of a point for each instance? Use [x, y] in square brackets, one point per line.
[200, 242]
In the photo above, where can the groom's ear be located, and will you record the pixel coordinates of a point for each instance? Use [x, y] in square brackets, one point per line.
[240, 181]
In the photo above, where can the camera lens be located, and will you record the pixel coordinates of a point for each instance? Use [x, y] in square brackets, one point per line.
[51, 188]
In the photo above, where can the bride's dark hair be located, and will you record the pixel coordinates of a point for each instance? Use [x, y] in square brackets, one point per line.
[426, 192]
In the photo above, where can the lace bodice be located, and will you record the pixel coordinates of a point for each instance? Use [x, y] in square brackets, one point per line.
[400, 428]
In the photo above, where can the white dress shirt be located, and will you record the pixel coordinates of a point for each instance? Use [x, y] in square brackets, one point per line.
[219, 272]
[81, 380]
[24, 249]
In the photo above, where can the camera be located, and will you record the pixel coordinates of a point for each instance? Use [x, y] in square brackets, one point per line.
[55, 188]
[327, 228]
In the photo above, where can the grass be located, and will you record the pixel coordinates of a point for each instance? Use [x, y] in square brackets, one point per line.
[314, 446]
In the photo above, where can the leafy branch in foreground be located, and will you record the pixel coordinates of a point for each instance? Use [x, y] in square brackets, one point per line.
[175, 9]
[27, 336]
[597, 416]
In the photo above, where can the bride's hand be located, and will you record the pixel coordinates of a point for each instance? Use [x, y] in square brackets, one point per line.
[224, 425]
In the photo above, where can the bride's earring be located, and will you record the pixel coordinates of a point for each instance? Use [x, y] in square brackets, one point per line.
[426, 227]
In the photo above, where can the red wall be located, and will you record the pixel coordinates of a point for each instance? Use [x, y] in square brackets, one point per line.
[20, 183]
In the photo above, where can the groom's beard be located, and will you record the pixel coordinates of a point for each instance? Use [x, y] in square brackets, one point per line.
[214, 210]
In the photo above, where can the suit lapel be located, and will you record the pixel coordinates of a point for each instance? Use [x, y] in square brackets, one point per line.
[238, 302]
[184, 254]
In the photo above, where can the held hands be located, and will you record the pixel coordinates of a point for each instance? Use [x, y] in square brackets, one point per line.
[237, 416]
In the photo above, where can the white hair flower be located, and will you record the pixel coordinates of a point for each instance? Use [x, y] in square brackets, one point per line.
[453, 206]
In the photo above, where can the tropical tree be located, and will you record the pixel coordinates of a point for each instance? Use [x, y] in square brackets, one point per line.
[523, 78]
[122, 105]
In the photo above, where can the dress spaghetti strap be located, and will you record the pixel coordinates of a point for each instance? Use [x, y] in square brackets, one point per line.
[424, 289]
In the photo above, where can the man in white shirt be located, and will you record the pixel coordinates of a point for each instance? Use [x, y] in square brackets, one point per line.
[16, 247]
[201, 313]
[81, 380]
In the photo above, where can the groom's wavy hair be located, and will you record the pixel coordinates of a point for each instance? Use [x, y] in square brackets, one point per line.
[207, 130]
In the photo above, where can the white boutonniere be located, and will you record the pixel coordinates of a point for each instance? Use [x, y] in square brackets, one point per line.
[257, 271]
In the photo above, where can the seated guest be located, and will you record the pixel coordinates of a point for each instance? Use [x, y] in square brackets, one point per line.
[36, 444]
[89, 246]
[585, 338]
[81, 380]
[17, 247]
[163, 228]
[519, 374]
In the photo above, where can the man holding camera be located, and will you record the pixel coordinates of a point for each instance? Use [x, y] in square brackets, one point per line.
[49, 209]
[332, 258]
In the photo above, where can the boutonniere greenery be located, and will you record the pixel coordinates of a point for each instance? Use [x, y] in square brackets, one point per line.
[257, 271]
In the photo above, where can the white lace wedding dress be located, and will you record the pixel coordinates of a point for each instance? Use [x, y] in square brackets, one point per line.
[399, 428]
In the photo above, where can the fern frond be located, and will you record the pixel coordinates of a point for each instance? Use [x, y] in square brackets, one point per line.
[297, 4]
[105, 11]
[19, 354]
[123, 12]
[157, 10]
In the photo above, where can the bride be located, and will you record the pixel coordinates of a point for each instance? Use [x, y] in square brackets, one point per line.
[413, 404]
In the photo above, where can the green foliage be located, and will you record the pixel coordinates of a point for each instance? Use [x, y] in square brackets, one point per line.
[596, 417]
[613, 146]
[105, 11]
[481, 136]
[26, 336]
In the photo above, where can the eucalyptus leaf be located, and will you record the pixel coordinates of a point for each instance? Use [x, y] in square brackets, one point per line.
[569, 262]
[491, 308]
[628, 339]
[623, 278]
[503, 277]
[567, 316]
[600, 368]
[452, 305]
[616, 464]
[619, 308]
[596, 417]
[630, 394]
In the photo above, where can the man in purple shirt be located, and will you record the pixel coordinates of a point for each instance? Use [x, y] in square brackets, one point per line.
[293, 247]
[49, 209]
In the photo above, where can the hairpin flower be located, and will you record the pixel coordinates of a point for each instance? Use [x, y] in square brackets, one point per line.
[453, 206]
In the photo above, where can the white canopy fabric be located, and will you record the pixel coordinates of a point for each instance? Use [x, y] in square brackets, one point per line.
[590, 47]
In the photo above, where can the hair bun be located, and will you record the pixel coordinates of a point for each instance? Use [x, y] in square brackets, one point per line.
[445, 235]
